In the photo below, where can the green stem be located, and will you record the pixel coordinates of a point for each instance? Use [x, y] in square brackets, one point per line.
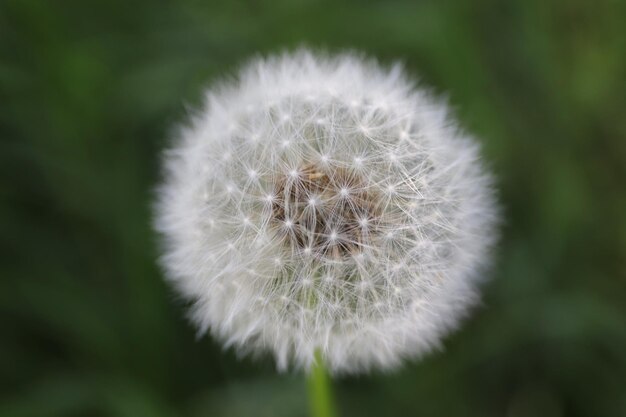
[320, 390]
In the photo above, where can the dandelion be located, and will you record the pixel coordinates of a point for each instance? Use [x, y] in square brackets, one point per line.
[323, 207]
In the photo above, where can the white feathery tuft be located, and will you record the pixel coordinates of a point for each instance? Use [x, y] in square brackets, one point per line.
[326, 203]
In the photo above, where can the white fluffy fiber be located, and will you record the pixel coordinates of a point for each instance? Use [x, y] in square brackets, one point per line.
[367, 296]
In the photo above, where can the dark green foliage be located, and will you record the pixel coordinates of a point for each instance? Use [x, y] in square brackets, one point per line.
[91, 90]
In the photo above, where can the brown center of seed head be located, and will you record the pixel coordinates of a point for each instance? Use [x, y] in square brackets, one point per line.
[327, 212]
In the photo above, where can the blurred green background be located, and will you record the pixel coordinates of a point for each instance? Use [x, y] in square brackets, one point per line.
[90, 91]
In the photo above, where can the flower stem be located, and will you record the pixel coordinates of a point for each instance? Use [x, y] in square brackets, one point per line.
[320, 390]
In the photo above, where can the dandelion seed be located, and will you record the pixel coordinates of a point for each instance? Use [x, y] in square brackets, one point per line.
[365, 240]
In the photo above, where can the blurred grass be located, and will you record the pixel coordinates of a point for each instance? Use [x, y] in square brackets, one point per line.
[89, 92]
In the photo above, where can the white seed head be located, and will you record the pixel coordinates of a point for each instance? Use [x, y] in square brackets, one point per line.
[325, 203]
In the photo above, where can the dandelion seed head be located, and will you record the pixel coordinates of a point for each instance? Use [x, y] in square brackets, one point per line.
[342, 210]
